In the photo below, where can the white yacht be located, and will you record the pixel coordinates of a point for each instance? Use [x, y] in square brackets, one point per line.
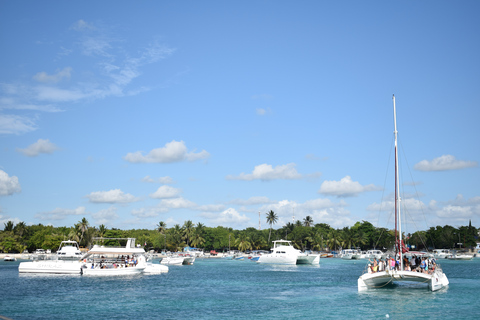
[103, 260]
[284, 253]
[350, 254]
[377, 254]
[99, 260]
[69, 250]
[9, 258]
[435, 280]
[459, 256]
[441, 253]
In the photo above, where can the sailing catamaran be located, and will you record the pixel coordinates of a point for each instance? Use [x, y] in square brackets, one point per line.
[435, 279]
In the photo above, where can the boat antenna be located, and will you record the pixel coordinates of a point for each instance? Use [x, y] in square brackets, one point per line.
[398, 225]
[259, 224]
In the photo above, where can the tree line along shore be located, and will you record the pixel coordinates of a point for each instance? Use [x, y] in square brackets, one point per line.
[305, 235]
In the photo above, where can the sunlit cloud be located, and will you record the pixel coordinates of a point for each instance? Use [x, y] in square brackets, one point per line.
[345, 188]
[8, 185]
[443, 163]
[112, 196]
[41, 146]
[267, 172]
[174, 151]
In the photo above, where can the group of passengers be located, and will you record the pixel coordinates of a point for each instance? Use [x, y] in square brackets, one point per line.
[121, 262]
[415, 263]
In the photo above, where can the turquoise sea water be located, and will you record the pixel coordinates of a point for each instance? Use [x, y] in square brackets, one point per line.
[228, 289]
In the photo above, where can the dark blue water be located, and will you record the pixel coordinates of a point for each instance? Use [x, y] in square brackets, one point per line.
[221, 289]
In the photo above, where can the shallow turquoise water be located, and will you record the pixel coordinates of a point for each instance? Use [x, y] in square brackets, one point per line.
[221, 289]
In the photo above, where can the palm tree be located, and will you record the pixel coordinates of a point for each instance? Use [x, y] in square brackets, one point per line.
[197, 240]
[316, 240]
[176, 236]
[308, 221]
[101, 230]
[188, 231]
[334, 239]
[243, 242]
[83, 227]
[348, 237]
[20, 229]
[8, 226]
[272, 218]
[161, 226]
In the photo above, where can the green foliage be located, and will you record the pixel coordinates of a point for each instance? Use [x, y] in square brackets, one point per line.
[319, 237]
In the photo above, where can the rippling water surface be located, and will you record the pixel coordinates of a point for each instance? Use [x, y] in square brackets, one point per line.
[221, 289]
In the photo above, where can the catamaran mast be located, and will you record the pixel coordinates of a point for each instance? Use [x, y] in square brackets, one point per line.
[398, 224]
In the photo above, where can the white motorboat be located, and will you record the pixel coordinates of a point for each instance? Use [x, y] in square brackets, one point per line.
[441, 253]
[69, 250]
[284, 253]
[103, 260]
[374, 254]
[99, 260]
[172, 261]
[9, 258]
[435, 279]
[459, 256]
[350, 254]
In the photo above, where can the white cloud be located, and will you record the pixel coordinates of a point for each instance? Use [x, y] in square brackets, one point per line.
[443, 163]
[174, 151]
[54, 78]
[345, 188]
[106, 216]
[266, 172]
[14, 124]
[148, 212]
[112, 196]
[165, 192]
[8, 185]
[228, 217]
[163, 180]
[82, 25]
[261, 111]
[60, 213]
[113, 76]
[321, 210]
[177, 203]
[251, 201]
[211, 208]
[41, 146]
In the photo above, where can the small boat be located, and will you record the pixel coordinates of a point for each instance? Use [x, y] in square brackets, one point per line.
[372, 278]
[69, 250]
[441, 253]
[172, 261]
[154, 268]
[9, 258]
[284, 253]
[350, 254]
[459, 256]
[374, 254]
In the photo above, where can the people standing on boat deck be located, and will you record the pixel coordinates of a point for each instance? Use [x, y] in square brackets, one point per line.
[375, 265]
[392, 263]
[412, 263]
[381, 265]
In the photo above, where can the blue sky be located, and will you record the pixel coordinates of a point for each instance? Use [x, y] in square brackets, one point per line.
[131, 113]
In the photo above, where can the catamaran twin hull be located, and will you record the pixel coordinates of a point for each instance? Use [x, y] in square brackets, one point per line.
[435, 281]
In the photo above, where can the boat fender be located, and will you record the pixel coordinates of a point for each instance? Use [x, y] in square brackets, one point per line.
[81, 271]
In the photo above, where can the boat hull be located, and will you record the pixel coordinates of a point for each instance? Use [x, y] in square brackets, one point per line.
[308, 259]
[113, 271]
[54, 267]
[435, 281]
[277, 259]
